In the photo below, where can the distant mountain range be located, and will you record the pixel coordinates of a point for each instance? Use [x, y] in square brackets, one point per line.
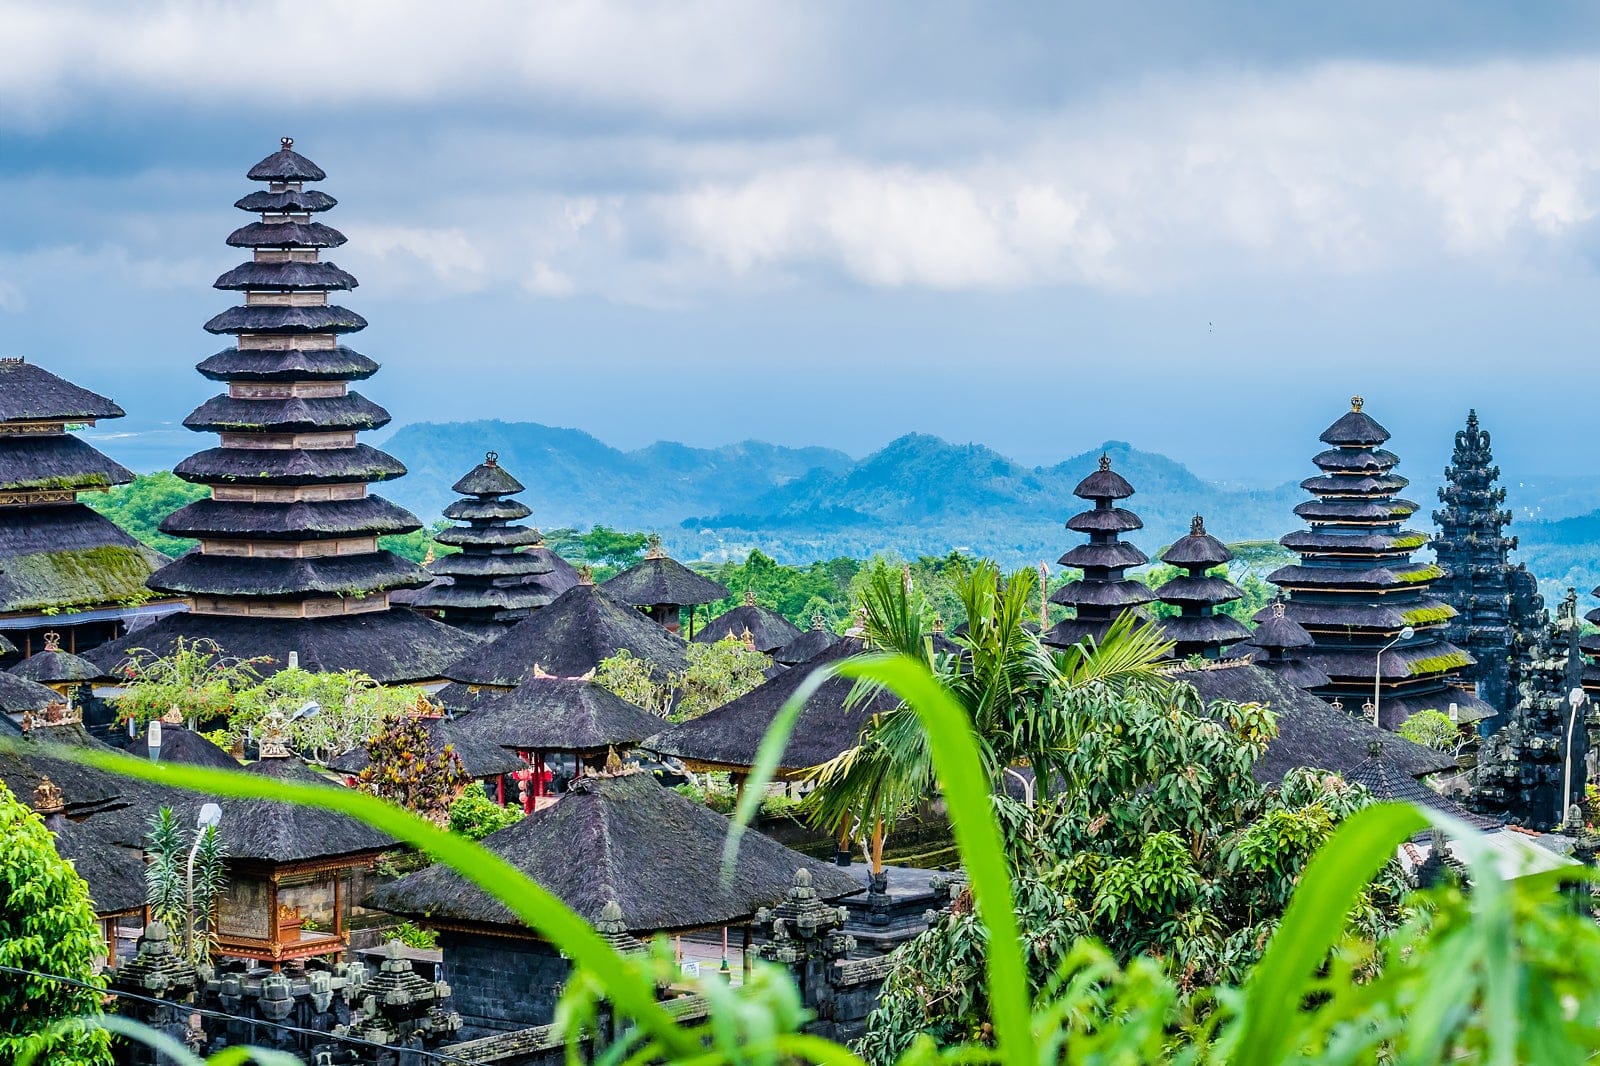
[916, 495]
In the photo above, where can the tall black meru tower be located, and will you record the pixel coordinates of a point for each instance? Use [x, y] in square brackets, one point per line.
[1356, 589]
[288, 561]
[1498, 606]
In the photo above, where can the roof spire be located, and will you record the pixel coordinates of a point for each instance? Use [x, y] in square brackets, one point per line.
[1356, 403]
[816, 620]
[491, 458]
[1105, 461]
[287, 142]
[585, 574]
[749, 597]
[52, 641]
[1197, 526]
[653, 543]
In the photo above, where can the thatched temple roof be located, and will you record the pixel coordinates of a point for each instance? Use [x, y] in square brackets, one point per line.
[30, 393]
[731, 734]
[768, 629]
[574, 634]
[559, 714]
[659, 579]
[628, 840]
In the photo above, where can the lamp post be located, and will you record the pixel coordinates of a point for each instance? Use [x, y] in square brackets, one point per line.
[1575, 699]
[210, 816]
[152, 739]
[1377, 673]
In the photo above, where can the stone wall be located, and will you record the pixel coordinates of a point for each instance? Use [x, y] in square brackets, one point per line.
[500, 984]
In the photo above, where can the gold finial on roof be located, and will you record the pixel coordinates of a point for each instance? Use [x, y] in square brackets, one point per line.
[491, 458]
[172, 716]
[48, 798]
[585, 574]
[1278, 609]
[747, 639]
[287, 142]
[1197, 526]
[613, 761]
[816, 620]
[428, 557]
[938, 623]
[654, 548]
[540, 671]
[52, 641]
[1356, 402]
[1105, 461]
[749, 597]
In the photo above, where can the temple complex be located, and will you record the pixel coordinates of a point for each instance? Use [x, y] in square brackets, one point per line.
[1103, 593]
[63, 567]
[1473, 551]
[661, 587]
[288, 564]
[1373, 620]
[1198, 629]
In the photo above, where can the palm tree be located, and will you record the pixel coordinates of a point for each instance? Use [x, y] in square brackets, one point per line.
[1020, 697]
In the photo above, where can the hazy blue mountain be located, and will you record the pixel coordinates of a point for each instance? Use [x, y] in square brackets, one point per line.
[574, 479]
[920, 494]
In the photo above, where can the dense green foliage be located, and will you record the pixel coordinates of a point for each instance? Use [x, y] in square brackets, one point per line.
[197, 679]
[475, 815]
[140, 505]
[1433, 729]
[47, 926]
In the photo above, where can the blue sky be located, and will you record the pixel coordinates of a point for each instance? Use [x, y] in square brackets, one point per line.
[1198, 227]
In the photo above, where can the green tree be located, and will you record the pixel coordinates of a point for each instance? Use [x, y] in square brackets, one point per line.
[1432, 729]
[197, 678]
[417, 544]
[47, 928]
[351, 707]
[1166, 848]
[140, 505]
[716, 673]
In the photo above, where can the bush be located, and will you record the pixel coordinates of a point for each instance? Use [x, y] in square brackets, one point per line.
[475, 815]
[47, 925]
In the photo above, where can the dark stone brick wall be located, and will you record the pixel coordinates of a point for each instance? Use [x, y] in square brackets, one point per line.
[501, 983]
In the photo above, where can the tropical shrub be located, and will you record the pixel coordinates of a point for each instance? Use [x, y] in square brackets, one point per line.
[406, 768]
[474, 815]
[350, 708]
[167, 881]
[197, 678]
[716, 674]
[48, 931]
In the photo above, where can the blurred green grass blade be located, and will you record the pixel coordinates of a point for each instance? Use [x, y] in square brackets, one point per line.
[966, 794]
[1311, 926]
[625, 985]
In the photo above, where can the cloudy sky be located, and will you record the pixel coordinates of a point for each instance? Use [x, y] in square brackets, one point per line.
[1195, 226]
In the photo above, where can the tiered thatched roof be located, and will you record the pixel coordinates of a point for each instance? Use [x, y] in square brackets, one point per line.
[659, 580]
[1103, 594]
[1356, 587]
[1198, 629]
[289, 558]
[625, 840]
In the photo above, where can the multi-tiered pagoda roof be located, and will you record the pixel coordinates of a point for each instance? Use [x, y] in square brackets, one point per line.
[1198, 629]
[1356, 587]
[288, 559]
[488, 585]
[1282, 641]
[1102, 594]
[63, 567]
[1473, 550]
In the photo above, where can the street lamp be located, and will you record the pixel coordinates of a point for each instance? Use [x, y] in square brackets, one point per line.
[152, 739]
[210, 816]
[1377, 674]
[1576, 699]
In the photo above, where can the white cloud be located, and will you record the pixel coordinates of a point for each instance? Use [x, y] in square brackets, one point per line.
[672, 58]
